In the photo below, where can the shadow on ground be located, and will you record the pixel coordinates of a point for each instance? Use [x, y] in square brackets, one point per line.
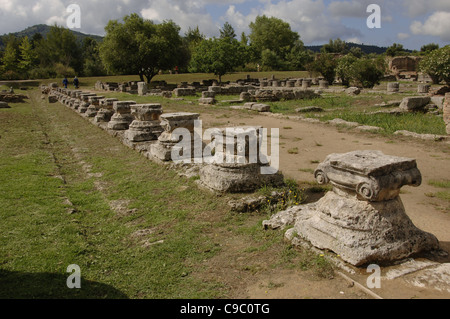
[18, 285]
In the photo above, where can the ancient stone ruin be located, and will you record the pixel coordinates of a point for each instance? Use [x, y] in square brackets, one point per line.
[363, 219]
[122, 119]
[162, 150]
[237, 163]
[146, 126]
[446, 111]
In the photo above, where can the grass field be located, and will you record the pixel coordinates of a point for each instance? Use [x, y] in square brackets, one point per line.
[71, 194]
[338, 105]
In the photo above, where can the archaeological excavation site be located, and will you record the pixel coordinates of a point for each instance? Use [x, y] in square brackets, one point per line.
[233, 170]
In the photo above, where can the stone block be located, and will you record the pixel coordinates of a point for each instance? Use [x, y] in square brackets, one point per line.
[414, 103]
[363, 219]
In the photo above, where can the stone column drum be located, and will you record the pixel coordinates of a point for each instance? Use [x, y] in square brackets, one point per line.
[323, 84]
[122, 119]
[162, 150]
[306, 83]
[147, 124]
[446, 111]
[84, 102]
[393, 87]
[423, 88]
[363, 219]
[106, 110]
[237, 162]
[94, 105]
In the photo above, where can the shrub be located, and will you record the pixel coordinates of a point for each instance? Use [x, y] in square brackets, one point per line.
[437, 65]
[366, 73]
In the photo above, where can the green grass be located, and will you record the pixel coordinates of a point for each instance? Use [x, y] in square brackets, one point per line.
[137, 230]
[445, 194]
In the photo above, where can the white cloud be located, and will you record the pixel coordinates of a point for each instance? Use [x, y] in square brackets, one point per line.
[403, 36]
[438, 24]
[416, 8]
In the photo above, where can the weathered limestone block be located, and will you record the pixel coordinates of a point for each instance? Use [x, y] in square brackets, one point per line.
[290, 83]
[208, 98]
[4, 105]
[423, 88]
[122, 117]
[414, 103]
[259, 107]
[147, 124]
[103, 116]
[178, 92]
[237, 162]
[306, 83]
[353, 91]
[446, 112]
[370, 175]
[52, 99]
[162, 150]
[106, 110]
[94, 106]
[393, 87]
[142, 88]
[323, 84]
[363, 219]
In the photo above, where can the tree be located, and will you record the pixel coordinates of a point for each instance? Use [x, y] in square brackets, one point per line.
[336, 46]
[227, 31]
[92, 63]
[395, 50]
[194, 36]
[366, 73]
[429, 48]
[27, 56]
[218, 56]
[272, 34]
[437, 65]
[344, 69]
[324, 64]
[141, 47]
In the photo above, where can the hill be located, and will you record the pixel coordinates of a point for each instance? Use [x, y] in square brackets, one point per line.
[44, 29]
[367, 49]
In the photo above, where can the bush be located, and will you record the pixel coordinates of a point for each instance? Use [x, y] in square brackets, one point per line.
[437, 65]
[366, 73]
[42, 73]
[362, 72]
[62, 70]
[324, 64]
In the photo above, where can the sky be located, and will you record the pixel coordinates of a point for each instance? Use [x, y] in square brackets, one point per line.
[412, 23]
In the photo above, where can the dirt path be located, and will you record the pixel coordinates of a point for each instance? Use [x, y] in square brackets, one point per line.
[314, 142]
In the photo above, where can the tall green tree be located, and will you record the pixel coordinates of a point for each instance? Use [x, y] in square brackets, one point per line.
[437, 65]
[395, 50]
[218, 56]
[272, 34]
[335, 46]
[325, 64]
[92, 63]
[28, 56]
[139, 46]
[227, 31]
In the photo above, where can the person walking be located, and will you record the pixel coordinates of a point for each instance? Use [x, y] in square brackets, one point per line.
[65, 83]
[76, 82]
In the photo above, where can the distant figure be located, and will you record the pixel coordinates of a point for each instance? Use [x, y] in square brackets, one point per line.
[76, 82]
[65, 83]
[176, 70]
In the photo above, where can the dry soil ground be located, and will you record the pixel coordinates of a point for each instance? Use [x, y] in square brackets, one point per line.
[314, 142]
